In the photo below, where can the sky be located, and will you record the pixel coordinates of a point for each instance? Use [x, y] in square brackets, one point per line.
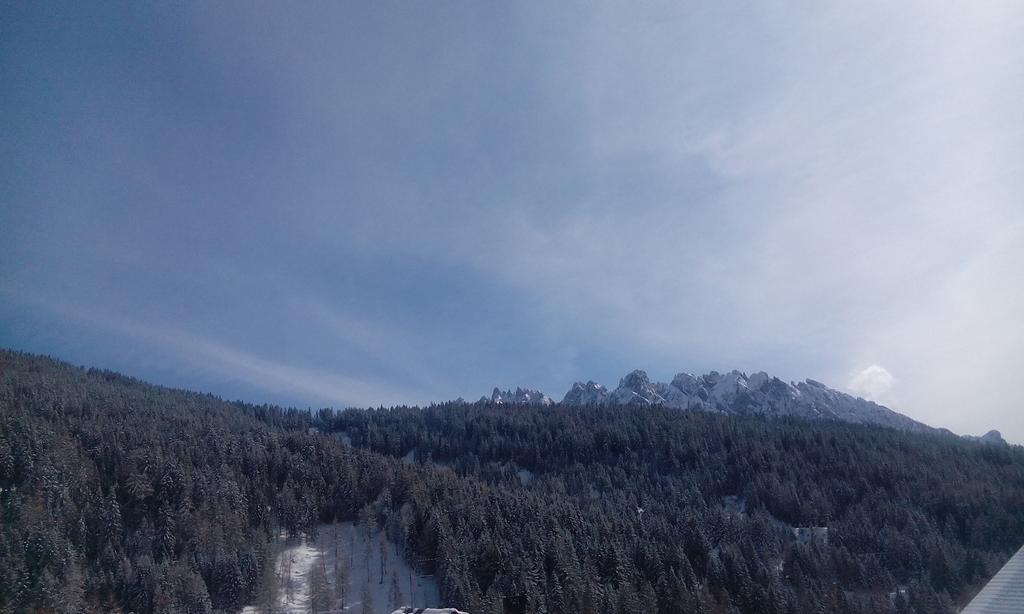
[356, 204]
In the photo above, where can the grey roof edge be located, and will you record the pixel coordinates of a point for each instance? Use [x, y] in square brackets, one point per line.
[1004, 593]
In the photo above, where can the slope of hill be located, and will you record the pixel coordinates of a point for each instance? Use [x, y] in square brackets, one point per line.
[116, 495]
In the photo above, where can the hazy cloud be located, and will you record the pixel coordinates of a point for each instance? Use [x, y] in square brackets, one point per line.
[416, 203]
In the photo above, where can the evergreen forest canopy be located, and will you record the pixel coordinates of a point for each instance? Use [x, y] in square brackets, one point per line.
[117, 495]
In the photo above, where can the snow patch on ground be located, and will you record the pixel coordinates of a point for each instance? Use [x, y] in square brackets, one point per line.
[340, 545]
[429, 611]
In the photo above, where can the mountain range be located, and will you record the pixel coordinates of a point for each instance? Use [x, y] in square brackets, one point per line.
[735, 393]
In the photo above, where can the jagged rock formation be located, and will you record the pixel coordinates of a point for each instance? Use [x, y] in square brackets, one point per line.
[590, 393]
[992, 437]
[521, 396]
[734, 392]
[737, 393]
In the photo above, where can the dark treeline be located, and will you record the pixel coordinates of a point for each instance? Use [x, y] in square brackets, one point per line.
[119, 495]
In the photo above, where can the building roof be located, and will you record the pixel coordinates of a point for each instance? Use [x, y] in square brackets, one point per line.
[1004, 592]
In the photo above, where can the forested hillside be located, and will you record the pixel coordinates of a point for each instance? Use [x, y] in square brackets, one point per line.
[119, 495]
[764, 515]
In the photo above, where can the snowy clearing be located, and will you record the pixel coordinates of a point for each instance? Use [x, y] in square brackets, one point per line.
[310, 572]
[428, 611]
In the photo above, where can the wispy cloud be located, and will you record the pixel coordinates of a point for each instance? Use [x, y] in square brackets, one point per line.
[267, 374]
[391, 345]
[217, 359]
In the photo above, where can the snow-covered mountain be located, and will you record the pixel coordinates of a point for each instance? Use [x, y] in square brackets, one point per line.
[737, 393]
[733, 392]
[521, 396]
[590, 393]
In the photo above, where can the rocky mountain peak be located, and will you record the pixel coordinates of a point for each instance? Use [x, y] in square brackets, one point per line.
[735, 392]
[590, 393]
[521, 396]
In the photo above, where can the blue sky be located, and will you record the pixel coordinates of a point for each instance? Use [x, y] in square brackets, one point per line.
[366, 203]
